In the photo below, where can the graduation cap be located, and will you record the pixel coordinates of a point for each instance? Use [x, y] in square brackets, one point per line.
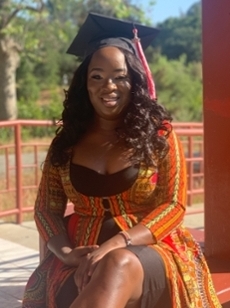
[97, 28]
[100, 31]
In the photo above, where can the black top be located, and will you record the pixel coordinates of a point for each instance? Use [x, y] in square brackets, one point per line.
[92, 183]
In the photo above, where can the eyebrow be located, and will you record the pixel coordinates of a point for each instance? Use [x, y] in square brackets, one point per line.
[98, 69]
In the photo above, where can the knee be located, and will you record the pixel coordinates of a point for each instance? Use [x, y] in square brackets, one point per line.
[121, 267]
[120, 259]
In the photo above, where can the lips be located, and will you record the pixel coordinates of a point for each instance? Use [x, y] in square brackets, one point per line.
[110, 101]
[112, 98]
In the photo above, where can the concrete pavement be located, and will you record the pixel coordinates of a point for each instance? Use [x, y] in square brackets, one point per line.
[19, 256]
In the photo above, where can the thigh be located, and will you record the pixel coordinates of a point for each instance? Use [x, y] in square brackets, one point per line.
[67, 294]
[155, 287]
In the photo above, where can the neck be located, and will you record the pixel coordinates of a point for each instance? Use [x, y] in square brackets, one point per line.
[105, 126]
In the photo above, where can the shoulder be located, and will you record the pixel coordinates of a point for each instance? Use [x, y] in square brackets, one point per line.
[52, 154]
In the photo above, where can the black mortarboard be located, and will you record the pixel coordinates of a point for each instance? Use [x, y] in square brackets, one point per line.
[99, 30]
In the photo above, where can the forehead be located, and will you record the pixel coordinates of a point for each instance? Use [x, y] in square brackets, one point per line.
[108, 56]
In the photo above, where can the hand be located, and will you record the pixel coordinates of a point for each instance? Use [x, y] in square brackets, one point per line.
[75, 255]
[89, 262]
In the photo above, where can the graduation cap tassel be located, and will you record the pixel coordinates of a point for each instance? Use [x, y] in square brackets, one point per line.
[151, 85]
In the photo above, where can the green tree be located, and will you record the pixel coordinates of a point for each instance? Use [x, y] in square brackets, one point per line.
[15, 19]
[179, 87]
[181, 35]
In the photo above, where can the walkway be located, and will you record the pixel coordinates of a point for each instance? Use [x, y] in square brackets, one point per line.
[18, 258]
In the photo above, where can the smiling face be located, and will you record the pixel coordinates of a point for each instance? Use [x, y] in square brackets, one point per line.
[108, 83]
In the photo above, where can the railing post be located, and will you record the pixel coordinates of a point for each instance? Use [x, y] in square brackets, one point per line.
[190, 170]
[18, 170]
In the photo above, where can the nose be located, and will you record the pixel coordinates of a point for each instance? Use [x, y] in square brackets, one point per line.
[110, 85]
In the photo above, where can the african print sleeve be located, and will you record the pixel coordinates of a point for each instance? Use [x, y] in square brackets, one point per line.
[170, 192]
[50, 203]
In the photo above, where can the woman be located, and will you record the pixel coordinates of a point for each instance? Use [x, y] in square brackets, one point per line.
[117, 158]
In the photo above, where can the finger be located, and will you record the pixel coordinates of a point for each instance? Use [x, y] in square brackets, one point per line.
[82, 274]
[92, 269]
[83, 250]
[77, 279]
[93, 247]
[86, 277]
[85, 280]
[80, 281]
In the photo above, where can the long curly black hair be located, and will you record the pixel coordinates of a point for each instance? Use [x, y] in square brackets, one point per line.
[142, 123]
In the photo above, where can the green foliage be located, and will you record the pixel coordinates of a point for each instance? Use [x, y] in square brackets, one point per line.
[181, 35]
[7, 134]
[48, 111]
[124, 9]
[176, 64]
[28, 88]
[31, 110]
[16, 18]
[179, 87]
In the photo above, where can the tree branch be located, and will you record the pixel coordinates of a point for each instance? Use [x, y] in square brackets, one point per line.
[22, 8]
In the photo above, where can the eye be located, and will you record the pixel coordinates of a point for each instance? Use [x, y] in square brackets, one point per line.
[97, 77]
[122, 77]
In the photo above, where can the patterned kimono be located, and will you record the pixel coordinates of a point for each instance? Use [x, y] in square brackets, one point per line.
[156, 200]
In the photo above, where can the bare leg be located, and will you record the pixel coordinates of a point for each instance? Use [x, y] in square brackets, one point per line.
[116, 283]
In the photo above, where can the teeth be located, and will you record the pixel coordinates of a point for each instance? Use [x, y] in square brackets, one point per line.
[110, 99]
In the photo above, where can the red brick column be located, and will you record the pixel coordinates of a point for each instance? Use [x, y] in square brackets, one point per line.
[216, 73]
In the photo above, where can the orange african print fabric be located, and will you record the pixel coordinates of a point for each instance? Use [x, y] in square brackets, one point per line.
[157, 200]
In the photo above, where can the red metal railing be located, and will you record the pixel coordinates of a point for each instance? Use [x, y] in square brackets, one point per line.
[19, 156]
[11, 155]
